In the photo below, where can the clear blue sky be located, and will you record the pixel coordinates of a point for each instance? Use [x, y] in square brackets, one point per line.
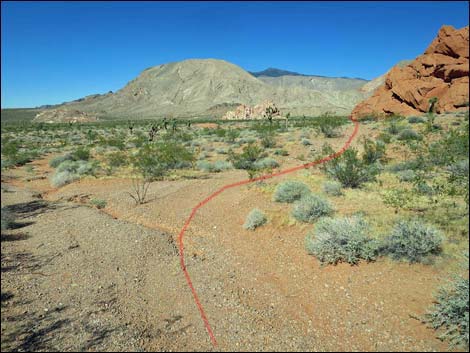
[59, 51]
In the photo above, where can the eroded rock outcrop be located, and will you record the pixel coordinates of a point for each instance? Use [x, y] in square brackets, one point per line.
[442, 72]
[259, 111]
[64, 116]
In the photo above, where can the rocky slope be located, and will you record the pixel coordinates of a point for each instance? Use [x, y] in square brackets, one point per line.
[441, 72]
[210, 88]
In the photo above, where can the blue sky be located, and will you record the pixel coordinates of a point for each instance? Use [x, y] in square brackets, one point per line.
[59, 51]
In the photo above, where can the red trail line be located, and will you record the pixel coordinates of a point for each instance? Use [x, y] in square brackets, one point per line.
[229, 186]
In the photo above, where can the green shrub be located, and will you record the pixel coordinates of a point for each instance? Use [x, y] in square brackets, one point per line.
[205, 166]
[306, 142]
[346, 239]
[220, 166]
[254, 219]
[247, 158]
[98, 203]
[413, 241]
[450, 312]
[81, 154]
[311, 207]
[373, 151]
[290, 191]
[333, 188]
[385, 137]
[281, 152]
[268, 141]
[350, 171]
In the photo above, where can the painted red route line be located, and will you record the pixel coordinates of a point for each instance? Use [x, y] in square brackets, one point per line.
[229, 186]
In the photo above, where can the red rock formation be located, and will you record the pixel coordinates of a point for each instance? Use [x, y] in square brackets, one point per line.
[442, 72]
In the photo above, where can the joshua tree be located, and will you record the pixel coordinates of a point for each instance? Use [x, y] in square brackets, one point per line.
[131, 126]
[269, 115]
[432, 103]
[287, 119]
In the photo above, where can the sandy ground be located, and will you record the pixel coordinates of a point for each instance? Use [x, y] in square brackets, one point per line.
[111, 279]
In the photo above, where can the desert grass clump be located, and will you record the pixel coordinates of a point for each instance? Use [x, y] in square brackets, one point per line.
[254, 219]
[290, 191]
[310, 208]
[333, 188]
[413, 241]
[346, 239]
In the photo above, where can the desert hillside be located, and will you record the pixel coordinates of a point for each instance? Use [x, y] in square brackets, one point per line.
[209, 88]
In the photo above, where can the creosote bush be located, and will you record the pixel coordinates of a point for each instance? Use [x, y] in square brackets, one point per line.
[290, 191]
[413, 241]
[334, 240]
[351, 171]
[255, 219]
[310, 208]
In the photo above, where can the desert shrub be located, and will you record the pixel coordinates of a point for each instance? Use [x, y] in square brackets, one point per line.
[452, 147]
[333, 188]
[217, 166]
[373, 151]
[221, 151]
[450, 312]
[98, 203]
[268, 141]
[306, 142]
[311, 207]
[116, 159]
[65, 177]
[220, 166]
[416, 120]
[385, 137]
[406, 175]
[393, 128]
[56, 161]
[205, 166]
[266, 163]
[281, 152]
[413, 241]
[408, 135]
[346, 239]
[351, 171]
[81, 154]
[290, 191]
[247, 158]
[328, 125]
[254, 219]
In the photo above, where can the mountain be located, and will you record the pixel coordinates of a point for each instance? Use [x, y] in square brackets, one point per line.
[210, 88]
[441, 72]
[272, 72]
